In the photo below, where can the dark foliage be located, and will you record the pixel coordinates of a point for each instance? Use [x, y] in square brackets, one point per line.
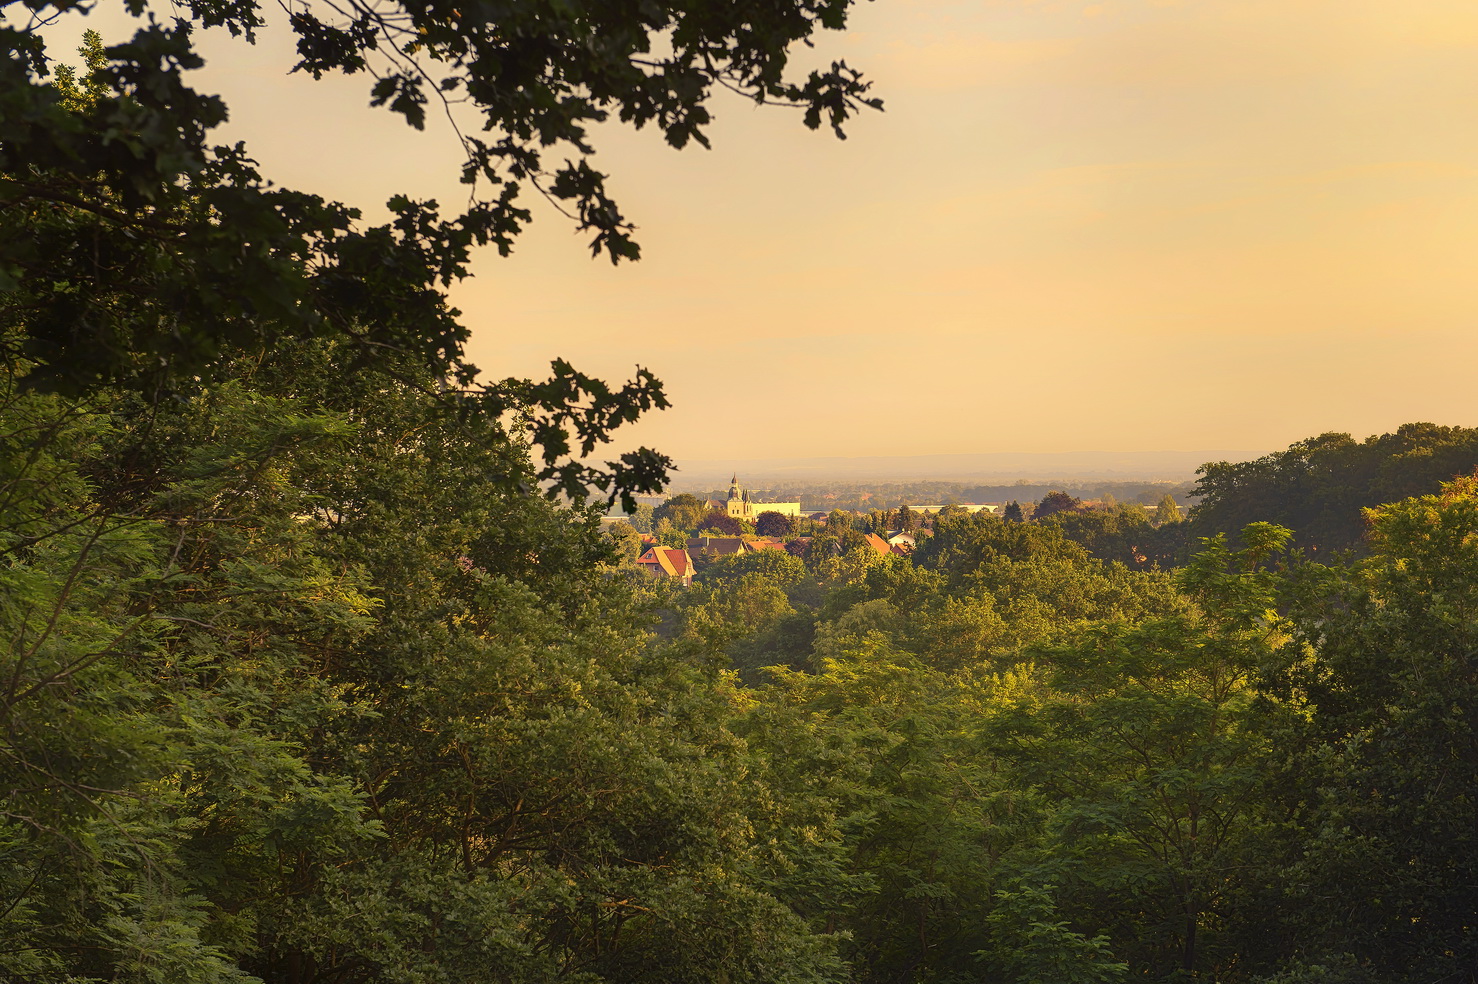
[773, 524]
[1118, 534]
[721, 523]
[1319, 486]
[1056, 502]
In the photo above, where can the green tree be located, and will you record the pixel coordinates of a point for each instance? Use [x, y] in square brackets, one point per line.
[822, 548]
[626, 541]
[154, 709]
[82, 92]
[895, 579]
[332, 697]
[669, 535]
[1108, 534]
[918, 802]
[304, 684]
[774, 566]
[964, 545]
[716, 617]
[1167, 511]
[1153, 745]
[1031, 942]
[1319, 486]
[1386, 767]
[1012, 512]
[684, 512]
[641, 518]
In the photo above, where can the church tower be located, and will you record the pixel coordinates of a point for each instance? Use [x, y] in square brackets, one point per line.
[738, 500]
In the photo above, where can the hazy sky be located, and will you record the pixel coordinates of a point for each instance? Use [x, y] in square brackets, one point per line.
[1128, 224]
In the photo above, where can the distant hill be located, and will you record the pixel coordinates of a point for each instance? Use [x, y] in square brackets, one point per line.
[983, 469]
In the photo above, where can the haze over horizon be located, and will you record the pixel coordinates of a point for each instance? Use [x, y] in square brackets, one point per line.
[984, 468]
[1087, 225]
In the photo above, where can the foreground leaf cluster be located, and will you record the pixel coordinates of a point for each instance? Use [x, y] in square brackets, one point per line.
[298, 689]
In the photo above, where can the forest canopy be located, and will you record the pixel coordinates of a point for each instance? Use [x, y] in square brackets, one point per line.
[305, 683]
[303, 680]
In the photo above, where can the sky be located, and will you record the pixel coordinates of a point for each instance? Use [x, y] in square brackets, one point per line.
[1077, 226]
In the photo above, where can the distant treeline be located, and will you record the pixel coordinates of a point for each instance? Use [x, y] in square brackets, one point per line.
[862, 497]
[1320, 487]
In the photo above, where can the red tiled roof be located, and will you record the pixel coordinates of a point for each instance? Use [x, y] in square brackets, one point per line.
[672, 561]
[679, 564]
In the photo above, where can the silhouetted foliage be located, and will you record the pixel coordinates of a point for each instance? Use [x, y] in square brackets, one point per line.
[193, 254]
[1056, 502]
[720, 523]
[772, 524]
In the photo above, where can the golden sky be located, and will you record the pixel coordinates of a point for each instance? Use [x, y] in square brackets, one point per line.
[1115, 225]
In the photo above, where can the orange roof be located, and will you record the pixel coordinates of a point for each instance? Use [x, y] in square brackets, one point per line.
[878, 543]
[678, 562]
[670, 560]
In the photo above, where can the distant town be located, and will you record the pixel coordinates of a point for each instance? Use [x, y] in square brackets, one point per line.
[671, 538]
[799, 498]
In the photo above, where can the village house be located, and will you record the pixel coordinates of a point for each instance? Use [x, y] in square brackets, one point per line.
[669, 562]
[723, 546]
